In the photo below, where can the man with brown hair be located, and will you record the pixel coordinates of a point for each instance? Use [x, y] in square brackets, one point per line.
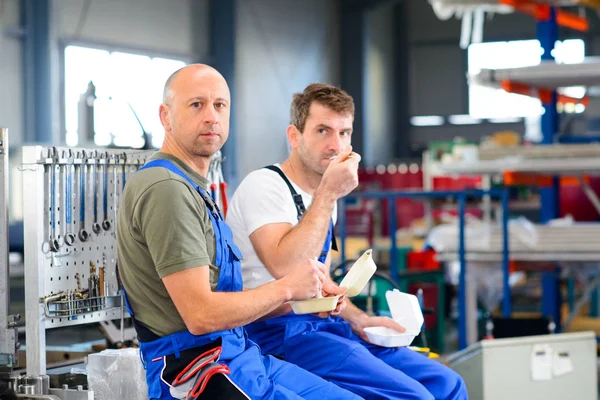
[275, 229]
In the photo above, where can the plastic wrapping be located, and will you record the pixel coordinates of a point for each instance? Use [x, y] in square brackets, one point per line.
[524, 231]
[445, 237]
[117, 374]
[478, 235]
[565, 221]
[488, 278]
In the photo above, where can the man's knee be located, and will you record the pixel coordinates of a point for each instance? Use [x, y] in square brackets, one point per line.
[456, 387]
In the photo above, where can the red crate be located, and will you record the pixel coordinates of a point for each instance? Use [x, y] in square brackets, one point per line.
[460, 183]
[424, 260]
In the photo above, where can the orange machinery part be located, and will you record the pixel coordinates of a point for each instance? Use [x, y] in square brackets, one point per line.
[525, 179]
[541, 12]
[545, 95]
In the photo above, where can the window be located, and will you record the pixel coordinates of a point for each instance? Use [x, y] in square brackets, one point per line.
[496, 103]
[128, 90]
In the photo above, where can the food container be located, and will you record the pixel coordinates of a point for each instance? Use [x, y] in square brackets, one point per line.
[406, 311]
[359, 275]
[355, 280]
[317, 305]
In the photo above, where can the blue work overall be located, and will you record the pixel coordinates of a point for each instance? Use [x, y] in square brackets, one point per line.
[251, 375]
[330, 349]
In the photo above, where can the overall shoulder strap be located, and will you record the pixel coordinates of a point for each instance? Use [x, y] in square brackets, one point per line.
[176, 170]
[171, 167]
[300, 204]
[300, 209]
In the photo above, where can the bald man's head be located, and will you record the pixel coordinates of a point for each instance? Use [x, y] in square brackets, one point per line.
[191, 68]
[195, 111]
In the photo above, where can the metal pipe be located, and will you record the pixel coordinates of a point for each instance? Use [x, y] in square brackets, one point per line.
[506, 303]
[45, 384]
[462, 304]
[7, 344]
[27, 389]
[393, 264]
[36, 382]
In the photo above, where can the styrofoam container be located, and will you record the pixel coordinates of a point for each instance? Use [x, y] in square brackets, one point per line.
[406, 311]
[359, 275]
[386, 337]
[316, 305]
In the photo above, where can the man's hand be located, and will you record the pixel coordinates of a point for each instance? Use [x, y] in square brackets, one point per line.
[341, 175]
[363, 321]
[305, 281]
[331, 289]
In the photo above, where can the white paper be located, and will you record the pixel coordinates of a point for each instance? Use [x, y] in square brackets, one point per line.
[541, 362]
[561, 363]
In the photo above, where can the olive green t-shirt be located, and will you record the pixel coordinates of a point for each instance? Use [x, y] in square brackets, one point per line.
[162, 227]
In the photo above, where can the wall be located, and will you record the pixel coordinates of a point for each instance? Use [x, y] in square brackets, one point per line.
[282, 46]
[155, 25]
[380, 107]
[11, 96]
[11, 71]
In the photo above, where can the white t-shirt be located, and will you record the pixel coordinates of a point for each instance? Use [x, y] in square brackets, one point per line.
[262, 198]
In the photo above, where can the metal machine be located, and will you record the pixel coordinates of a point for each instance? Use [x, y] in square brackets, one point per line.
[71, 198]
[549, 367]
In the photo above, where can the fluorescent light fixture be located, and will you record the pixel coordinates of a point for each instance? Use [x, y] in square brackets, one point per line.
[463, 119]
[427, 120]
[576, 92]
[505, 120]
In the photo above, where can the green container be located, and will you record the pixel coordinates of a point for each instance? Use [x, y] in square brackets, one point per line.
[402, 257]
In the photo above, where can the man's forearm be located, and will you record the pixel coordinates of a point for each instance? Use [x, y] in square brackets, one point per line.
[305, 240]
[351, 312]
[228, 310]
[279, 311]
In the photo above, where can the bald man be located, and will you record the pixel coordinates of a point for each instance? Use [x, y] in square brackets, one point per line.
[180, 266]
